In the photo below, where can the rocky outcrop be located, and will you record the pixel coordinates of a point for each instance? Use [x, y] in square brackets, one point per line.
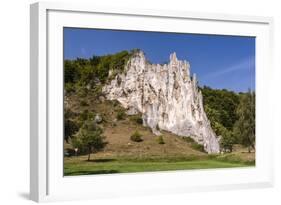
[167, 97]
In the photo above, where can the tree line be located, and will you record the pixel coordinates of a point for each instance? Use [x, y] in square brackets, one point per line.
[232, 116]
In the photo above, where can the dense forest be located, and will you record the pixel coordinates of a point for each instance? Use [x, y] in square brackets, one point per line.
[90, 72]
[231, 114]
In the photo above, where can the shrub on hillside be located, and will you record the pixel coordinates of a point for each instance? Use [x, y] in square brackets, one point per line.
[137, 119]
[136, 137]
[84, 103]
[198, 147]
[115, 103]
[69, 88]
[97, 90]
[82, 92]
[157, 127]
[188, 139]
[83, 116]
[121, 115]
[160, 140]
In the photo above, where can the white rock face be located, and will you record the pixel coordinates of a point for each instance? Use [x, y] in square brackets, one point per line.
[166, 96]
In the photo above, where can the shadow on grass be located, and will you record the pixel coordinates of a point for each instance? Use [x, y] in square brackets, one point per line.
[101, 160]
[89, 172]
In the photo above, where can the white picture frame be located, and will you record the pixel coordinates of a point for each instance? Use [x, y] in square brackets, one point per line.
[47, 182]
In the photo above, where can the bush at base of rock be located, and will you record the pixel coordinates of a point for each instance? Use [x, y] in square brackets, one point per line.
[136, 137]
[121, 115]
[160, 140]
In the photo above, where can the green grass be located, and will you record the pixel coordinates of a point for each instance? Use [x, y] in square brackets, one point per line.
[109, 166]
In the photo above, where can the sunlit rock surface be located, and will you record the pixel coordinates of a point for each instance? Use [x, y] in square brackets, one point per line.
[167, 97]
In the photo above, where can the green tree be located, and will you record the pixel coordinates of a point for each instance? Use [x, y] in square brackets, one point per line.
[245, 125]
[87, 74]
[89, 138]
[227, 140]
[220, 106]
[69, 71]
[70, 128]
[70, 125]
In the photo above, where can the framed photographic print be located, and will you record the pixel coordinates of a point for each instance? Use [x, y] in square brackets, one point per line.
[123, 97]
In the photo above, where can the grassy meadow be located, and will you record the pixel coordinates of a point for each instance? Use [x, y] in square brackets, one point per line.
[80, 166]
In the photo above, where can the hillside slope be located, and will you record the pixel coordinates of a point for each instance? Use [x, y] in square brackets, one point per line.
[118, 128]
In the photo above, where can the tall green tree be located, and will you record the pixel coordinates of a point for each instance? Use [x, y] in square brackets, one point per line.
[244, 127]
[89, 138]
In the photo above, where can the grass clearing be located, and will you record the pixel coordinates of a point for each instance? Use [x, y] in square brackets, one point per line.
[80, 166]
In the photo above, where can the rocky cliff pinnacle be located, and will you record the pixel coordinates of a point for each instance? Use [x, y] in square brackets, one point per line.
[167, 97]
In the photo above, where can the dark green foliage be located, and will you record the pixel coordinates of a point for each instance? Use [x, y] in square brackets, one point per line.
[136, 137]
[188, 139]
[137, 119]
[194, 144]
[121, 114]
[89, 138]
[68, 114]
[84, 72]
[198, 147]
[82, 91]
[90, 116]
[71, 71]
[97, 90]
[232, 116]
[157, 127]
[245, 125]
[70, 125]
[115, 103]
[69, 87]
[84, 116]
[227, 138]
[160, 140]
[220, 106]
[70, 128]
[87, 73]
[84, 103]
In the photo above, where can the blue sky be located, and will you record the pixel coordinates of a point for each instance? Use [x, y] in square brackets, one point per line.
[219, 61]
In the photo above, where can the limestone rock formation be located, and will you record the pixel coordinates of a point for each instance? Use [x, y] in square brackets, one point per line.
[167, 97]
